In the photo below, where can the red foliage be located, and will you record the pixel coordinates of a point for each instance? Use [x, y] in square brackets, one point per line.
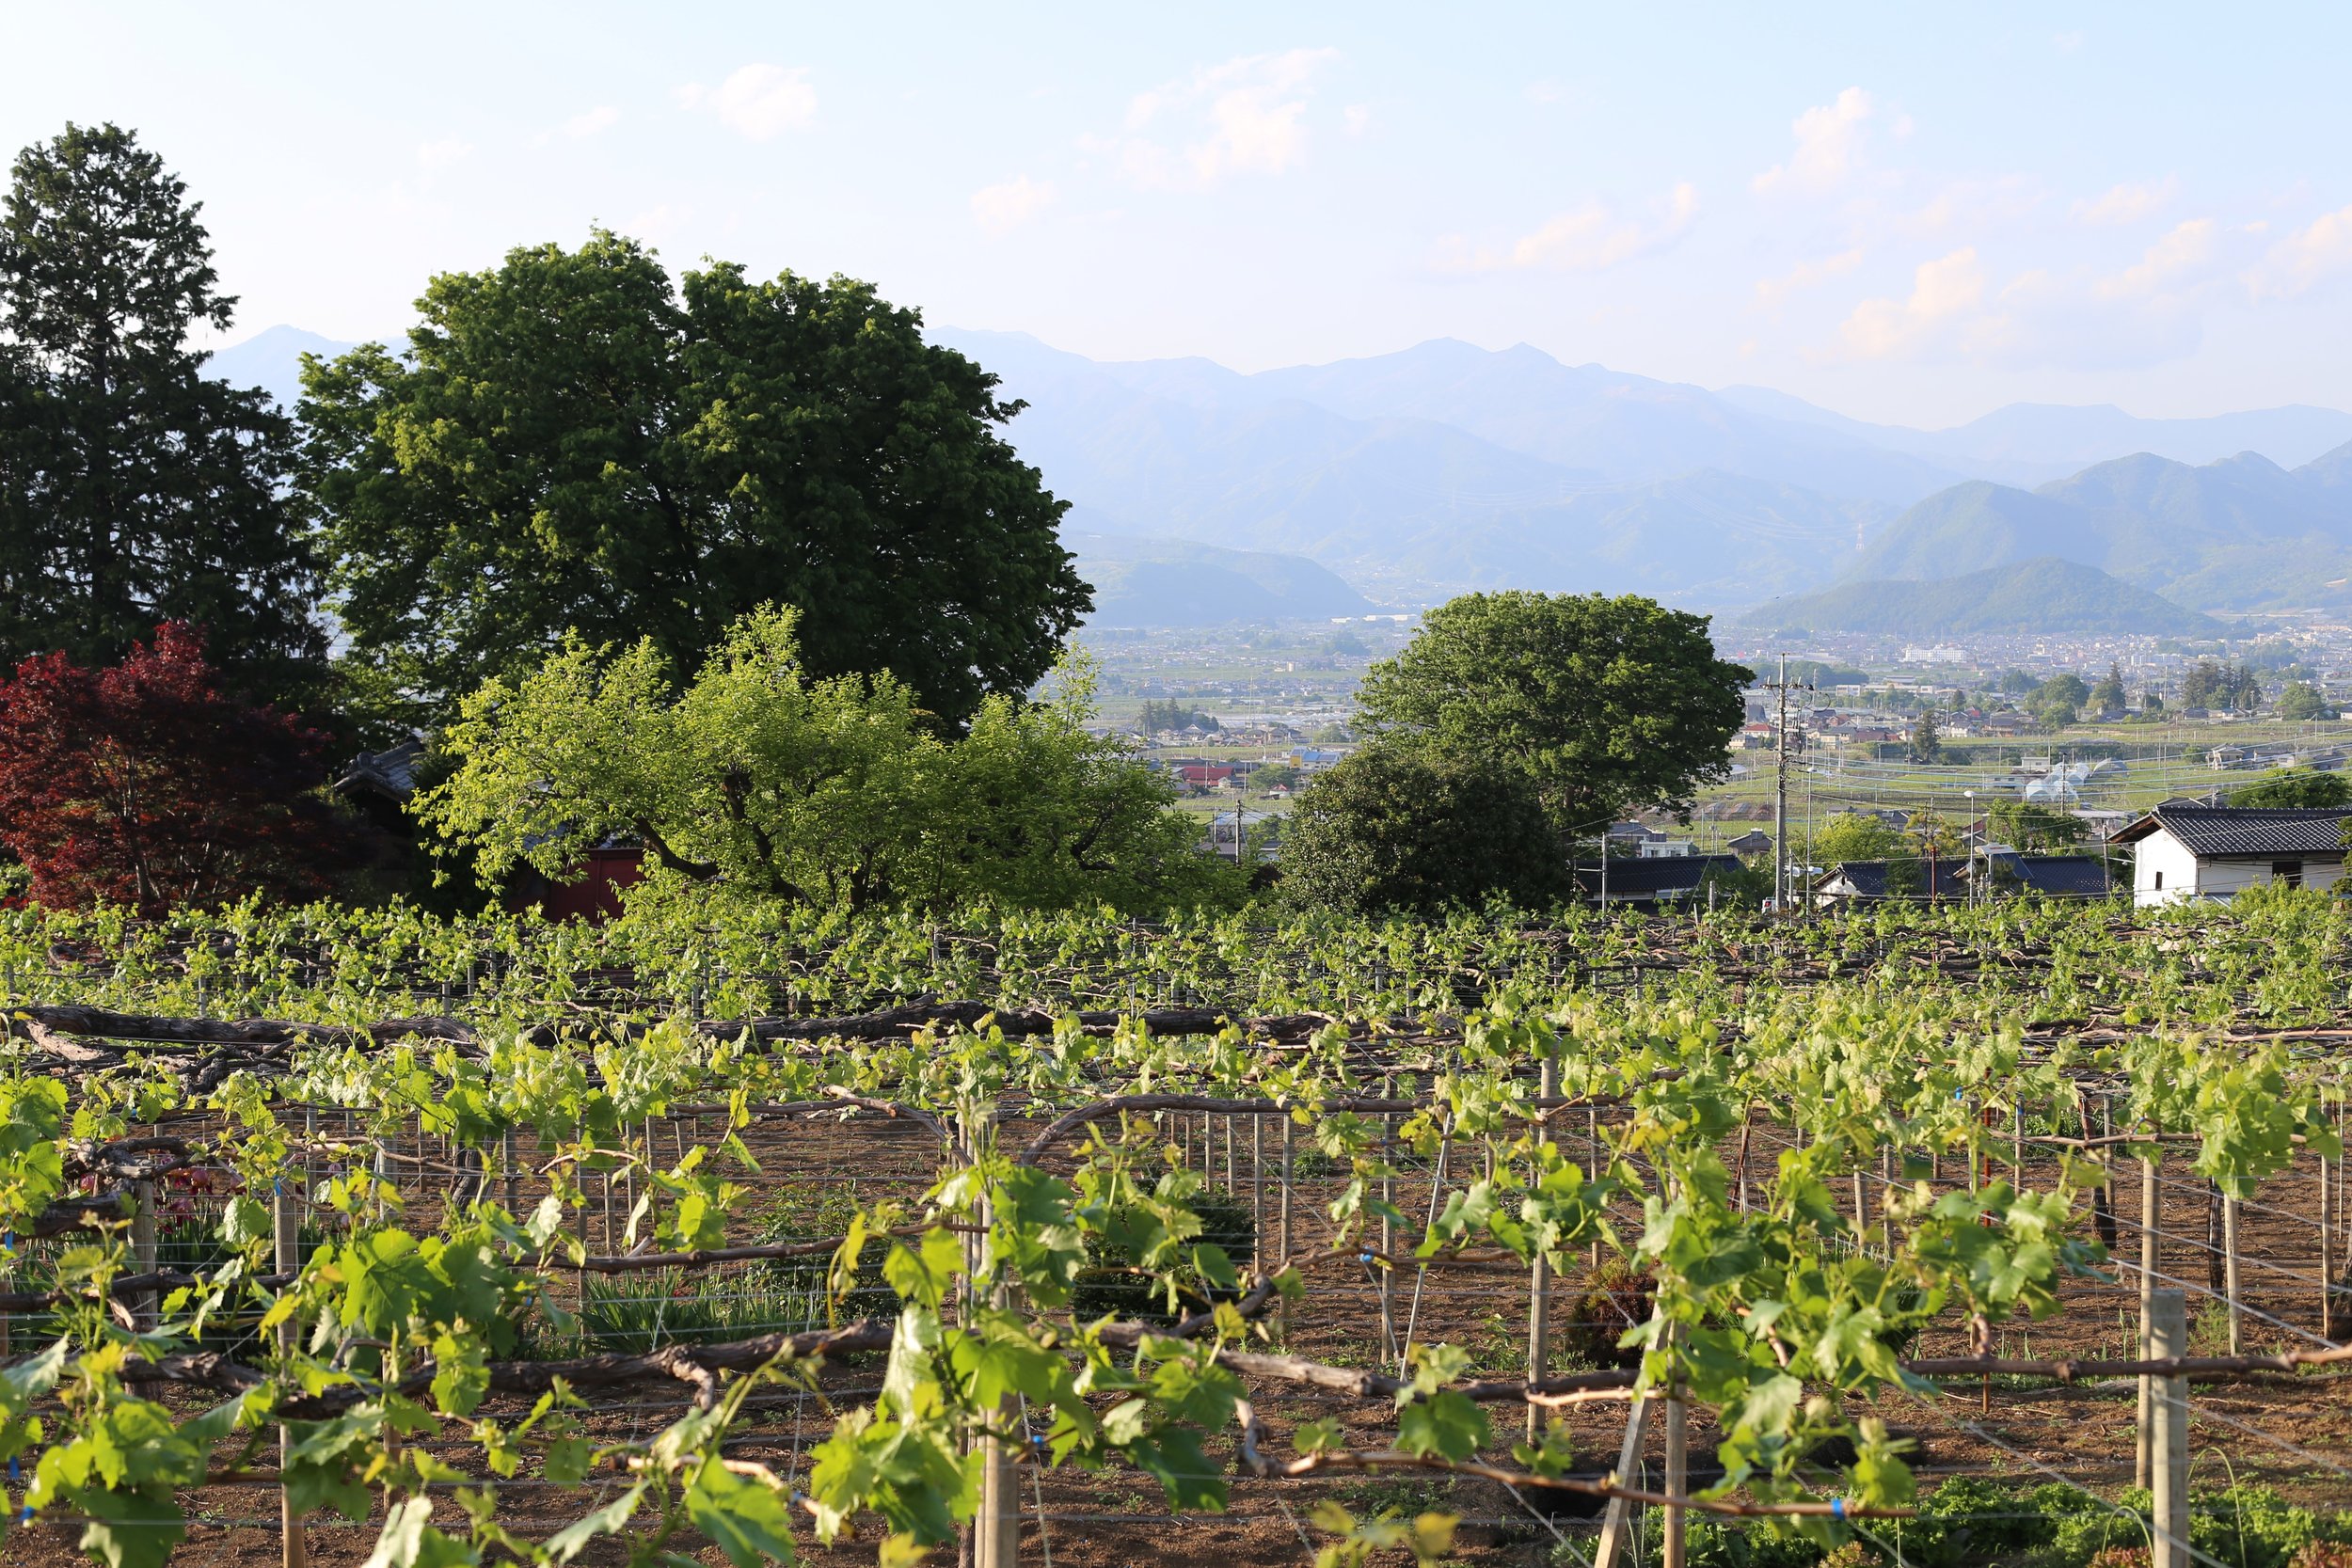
[143, 785]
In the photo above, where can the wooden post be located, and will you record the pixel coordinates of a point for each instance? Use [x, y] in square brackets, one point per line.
[2230, 1275]
[1592, 1160]
[1257, 1190]
[1617, 1521]
[286, 1237]
[2168, 1443]
[2327, 1247]
[1539, 1289]
[145, 1306]
[1677, 1462]
[1283, 1220]
[1387, 1279]
[2150, 1213]
[1886, 1219]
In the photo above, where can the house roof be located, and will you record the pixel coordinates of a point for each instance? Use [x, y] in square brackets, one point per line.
[2220, 832]
[2053, 875]
[391, 773]
[1661, 876]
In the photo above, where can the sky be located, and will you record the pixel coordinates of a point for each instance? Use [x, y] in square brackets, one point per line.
[1907, 214]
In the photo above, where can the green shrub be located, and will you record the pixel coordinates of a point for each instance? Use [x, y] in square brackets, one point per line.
[1110, 1284]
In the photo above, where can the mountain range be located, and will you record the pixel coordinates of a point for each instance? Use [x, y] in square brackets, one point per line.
[1442, 466]
[2044, 595]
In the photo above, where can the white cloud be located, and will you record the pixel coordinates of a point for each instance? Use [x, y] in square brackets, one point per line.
[1808, 274]
[2306, 257]
[2128, 202]
[1244, 116]
[1356, 118]
[759, 102]
[2183, 257]
[1966, 208]
[1000, 209]
[602, 118]
[1942, 292]
[440, 154]
[657, 222]
[1829, 139]
[2081, 320]
[2066, 43]
[1584, 239]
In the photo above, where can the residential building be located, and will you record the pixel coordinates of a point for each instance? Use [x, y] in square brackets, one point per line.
[2185, 850]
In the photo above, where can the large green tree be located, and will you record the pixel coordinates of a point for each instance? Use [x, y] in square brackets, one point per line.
[571, 444]
[1405, 829]
[1599, 704]
[758, 777]
[2295, 787]
[133, 489]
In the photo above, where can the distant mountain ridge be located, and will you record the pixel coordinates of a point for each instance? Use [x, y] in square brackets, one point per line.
[2241, 533]
[1442, 466]
[1173, 583]
[2043, 594]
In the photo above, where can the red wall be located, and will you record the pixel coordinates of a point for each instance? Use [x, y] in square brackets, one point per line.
[594, 896]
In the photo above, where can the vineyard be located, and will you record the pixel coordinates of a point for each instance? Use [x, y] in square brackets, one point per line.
[1937, 1236]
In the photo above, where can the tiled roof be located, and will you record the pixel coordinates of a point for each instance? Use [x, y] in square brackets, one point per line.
[1660, 876]
[2253, 831]
[2053, 875]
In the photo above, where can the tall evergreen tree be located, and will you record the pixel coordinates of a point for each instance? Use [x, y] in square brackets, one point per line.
[133, 489]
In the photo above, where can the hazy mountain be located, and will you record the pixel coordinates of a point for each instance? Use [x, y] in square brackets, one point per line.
[1627, 428]
[1174, 582]
[272, 360]
[2044, 595]
[2240, 533]
[2031, 443]
[1186, 448]
[1445, 466]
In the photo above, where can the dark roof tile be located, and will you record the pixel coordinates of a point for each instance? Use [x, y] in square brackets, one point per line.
[2253, 832]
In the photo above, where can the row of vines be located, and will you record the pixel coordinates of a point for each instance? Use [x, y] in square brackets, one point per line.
[724, 1232]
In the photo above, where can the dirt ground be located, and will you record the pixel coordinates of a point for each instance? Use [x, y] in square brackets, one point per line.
[2286, 1434]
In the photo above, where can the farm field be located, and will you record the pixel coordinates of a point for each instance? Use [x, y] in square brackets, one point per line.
[727, 1235]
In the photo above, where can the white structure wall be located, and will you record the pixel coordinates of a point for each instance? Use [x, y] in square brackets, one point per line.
[2165, 871]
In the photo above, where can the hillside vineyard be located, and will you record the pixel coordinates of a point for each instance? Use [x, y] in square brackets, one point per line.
[787, 1233]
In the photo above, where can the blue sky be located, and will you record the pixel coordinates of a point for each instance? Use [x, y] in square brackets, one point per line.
[1911, 214]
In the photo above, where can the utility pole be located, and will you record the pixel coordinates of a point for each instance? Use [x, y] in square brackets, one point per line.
[1780, 795]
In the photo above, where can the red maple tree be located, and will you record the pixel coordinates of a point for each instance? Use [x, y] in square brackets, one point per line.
[143, 785]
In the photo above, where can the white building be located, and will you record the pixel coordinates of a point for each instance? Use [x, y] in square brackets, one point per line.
[2185, 850]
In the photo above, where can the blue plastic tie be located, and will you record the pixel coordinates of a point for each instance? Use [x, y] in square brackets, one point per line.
[1837, 1507]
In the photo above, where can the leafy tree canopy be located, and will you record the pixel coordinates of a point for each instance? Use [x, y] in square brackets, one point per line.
[2295, 787]
[1852, 837]
[142, 785]
[764, 777]
[1405, 829]
[2030, 825]
[571, 445]
[1598, 703]
[133, 488]
[2300, 699]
